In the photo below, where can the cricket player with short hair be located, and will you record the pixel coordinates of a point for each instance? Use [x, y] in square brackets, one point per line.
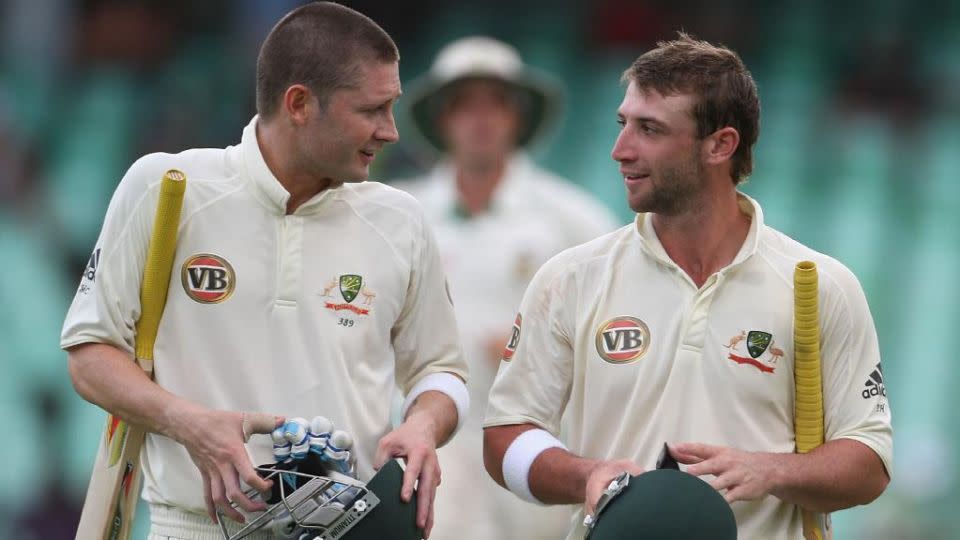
[679, 328]
[498, 217]
[298, 289]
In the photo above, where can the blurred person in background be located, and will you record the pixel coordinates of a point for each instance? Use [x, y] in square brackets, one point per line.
[498, 217]
[251, 326]
[678, 329]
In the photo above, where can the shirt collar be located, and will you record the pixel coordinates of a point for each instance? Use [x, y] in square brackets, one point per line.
[748, 206]
[266, 187]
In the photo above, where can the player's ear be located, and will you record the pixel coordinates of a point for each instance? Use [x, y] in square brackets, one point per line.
[298, 103]
[720, 145]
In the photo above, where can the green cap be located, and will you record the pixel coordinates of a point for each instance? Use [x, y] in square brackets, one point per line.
[666, 504]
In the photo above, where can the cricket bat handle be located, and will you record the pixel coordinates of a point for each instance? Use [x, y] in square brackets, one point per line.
[808, 411]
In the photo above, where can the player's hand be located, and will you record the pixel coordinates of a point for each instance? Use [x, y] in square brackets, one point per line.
[601, 476]
[214, 440]
[414, 441]
[739, 475]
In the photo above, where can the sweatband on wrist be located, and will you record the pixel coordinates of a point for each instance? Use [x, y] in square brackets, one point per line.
[520, 456]
[445, 383]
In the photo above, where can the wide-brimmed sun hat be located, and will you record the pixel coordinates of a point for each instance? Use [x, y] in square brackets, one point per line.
[479, 57]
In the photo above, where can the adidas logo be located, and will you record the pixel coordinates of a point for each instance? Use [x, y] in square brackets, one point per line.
[90, 272]
[874, 385]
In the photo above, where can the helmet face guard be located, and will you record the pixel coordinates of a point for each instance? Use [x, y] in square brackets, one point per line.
[306, 502]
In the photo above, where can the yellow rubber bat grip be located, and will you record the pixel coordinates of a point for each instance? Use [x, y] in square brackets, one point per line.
[809, 397]
[156, 270]
[808, 407]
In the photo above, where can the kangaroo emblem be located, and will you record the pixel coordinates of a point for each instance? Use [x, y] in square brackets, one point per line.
[328, 288]
[737, 339]
[367, 295]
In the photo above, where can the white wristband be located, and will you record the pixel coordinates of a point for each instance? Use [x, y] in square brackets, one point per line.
[520, 456]
[446, 383]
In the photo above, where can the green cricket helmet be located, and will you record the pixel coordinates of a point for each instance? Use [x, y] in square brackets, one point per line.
[309, 501]
[662, 504]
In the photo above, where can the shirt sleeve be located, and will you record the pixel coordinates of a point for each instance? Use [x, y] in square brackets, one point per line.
[535, 376]
[107, 302]
[855, 400]
[425, 336]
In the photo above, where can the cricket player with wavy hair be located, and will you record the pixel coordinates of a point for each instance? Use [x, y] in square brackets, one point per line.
[679, 329]
[298, 289]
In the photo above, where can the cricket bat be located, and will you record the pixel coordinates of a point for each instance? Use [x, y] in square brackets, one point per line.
[808, 412]
[114, 489]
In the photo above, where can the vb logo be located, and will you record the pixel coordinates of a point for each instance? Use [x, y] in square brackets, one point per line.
[207, 278]
[622, 339]
[514, 340]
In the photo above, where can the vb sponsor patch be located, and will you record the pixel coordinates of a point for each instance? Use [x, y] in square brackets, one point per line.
[511, 347]
[208, 278]
[623, 339]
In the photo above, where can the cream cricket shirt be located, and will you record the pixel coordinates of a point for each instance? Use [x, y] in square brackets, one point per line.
[315, 313]
[618, 335]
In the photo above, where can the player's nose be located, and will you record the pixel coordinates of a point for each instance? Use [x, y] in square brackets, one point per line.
[387, 131]
[623, 150]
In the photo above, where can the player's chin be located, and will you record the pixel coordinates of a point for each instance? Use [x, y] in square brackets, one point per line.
[361, 173]
[638, 203]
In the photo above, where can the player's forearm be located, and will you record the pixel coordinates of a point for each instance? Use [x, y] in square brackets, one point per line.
[559, 477]
[435, 412]
[556, 475]
[839, 474]
[106, 376]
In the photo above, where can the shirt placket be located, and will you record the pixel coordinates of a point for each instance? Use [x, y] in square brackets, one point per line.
[290, 255]
[694, 329]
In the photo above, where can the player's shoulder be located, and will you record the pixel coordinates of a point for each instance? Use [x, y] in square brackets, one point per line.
[415, 185]
[207, 164]
[380, 194]
[379, 202]
[783, 253]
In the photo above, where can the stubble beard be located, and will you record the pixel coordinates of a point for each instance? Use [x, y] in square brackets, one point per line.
[675, 190]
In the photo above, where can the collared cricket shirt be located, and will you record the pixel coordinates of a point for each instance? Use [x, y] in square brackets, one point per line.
[614, 333]
[320, 312]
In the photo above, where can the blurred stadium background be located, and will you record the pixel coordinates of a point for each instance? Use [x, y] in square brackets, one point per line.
[859, 157]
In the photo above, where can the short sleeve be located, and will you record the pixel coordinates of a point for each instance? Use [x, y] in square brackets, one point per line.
[855, 398]
[534, 380]
[107, 302]
[425, 337]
